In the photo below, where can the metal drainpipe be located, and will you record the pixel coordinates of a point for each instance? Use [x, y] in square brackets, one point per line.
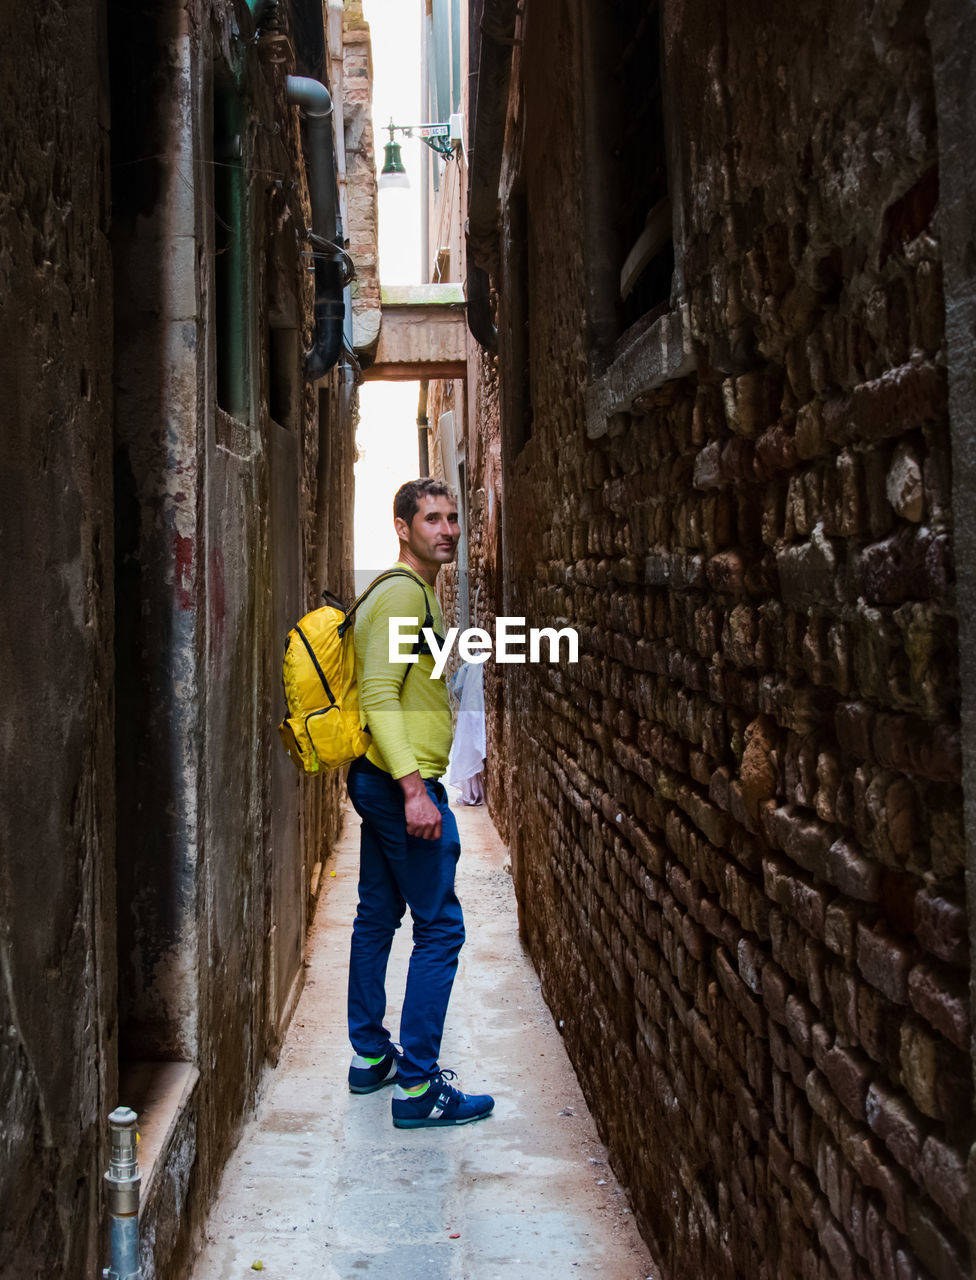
[123, 1181]
[316, 101]
[423, 429]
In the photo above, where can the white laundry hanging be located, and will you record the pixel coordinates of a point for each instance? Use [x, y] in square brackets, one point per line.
[464, 768]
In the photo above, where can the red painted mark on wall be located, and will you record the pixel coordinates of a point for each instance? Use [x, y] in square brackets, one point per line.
[185, 554]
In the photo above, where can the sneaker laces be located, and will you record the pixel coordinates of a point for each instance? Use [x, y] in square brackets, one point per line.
[443, 1080]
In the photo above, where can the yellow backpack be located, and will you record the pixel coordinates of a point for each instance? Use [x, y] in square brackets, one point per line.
[322, 729]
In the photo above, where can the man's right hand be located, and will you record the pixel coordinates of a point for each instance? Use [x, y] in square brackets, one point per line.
[422, 815]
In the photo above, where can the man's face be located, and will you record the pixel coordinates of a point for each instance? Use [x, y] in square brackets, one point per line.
[432, 535]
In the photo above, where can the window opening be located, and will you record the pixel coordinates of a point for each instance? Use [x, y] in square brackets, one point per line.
[646, 225]
[283, 377]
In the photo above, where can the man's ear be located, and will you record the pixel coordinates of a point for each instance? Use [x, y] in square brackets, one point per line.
[402, 528]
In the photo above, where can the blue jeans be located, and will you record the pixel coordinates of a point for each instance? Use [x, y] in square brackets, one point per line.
[397, 871]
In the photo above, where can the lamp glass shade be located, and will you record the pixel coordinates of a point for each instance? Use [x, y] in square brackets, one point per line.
[393, 173]
[392, 163]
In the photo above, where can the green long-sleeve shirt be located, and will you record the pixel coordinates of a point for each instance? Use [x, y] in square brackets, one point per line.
[410, 721]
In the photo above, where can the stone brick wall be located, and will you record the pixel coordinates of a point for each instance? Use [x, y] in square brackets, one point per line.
[485, 563]
[229, 525]
[360, 182]
[737, 824]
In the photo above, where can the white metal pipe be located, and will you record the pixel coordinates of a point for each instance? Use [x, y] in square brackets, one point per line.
[123, 1180]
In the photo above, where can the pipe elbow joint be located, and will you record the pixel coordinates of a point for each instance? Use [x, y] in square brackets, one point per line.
[480, 322]
[329, 318]
[309, 94]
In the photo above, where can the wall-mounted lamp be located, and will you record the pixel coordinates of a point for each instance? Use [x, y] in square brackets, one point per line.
[444, 139]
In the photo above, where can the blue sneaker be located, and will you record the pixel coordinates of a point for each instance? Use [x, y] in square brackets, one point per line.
[367, 1077]
[438, 1105]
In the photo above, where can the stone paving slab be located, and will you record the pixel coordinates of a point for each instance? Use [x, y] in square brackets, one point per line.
[323, 1187]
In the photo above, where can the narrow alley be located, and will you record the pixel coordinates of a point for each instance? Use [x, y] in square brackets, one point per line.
[678, 302]
[322, 1187]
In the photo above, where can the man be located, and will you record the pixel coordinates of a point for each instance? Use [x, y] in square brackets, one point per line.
[409, 841]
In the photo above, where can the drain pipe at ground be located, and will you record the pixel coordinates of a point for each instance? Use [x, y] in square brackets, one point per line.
[123, 1182]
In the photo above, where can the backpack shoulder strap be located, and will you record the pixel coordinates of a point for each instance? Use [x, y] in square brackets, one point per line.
[421, 646]
[377, 581]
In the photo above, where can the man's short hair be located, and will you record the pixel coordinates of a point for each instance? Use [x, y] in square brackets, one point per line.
[406, 504]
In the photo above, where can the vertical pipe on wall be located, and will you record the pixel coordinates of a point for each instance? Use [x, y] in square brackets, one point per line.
[423, 430]
[123, 1181]
[316, 101]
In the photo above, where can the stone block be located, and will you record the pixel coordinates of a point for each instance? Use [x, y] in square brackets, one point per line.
[803, 838]
[752, 963]
[912, 746]
[942, 1253]
[943, 1172]
[879, 1023]
[935, 1076]
[808, 571]
[904, 485]
[849, 1073]
[810, 436]
[941, 927]
[899, 401]
[897, 1123]
[852, 872]
[776, 989]
[884, 961]
[908, 565]
[798, 1018]
[806, 903]
[842, 987]
[840, 928]
[941, 996]
[776, 450]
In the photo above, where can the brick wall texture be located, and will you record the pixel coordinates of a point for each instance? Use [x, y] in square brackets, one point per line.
[737, 823]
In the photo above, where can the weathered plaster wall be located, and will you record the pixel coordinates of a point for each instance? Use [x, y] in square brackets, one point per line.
[56, 890]
[737, 826]
[228, 514]
[159, 409]
[159, 851]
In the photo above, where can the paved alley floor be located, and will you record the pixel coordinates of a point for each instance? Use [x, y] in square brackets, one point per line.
[323, 1187]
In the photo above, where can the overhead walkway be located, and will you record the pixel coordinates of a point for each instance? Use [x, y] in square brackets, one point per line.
[322, 1187]
[422, 334]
